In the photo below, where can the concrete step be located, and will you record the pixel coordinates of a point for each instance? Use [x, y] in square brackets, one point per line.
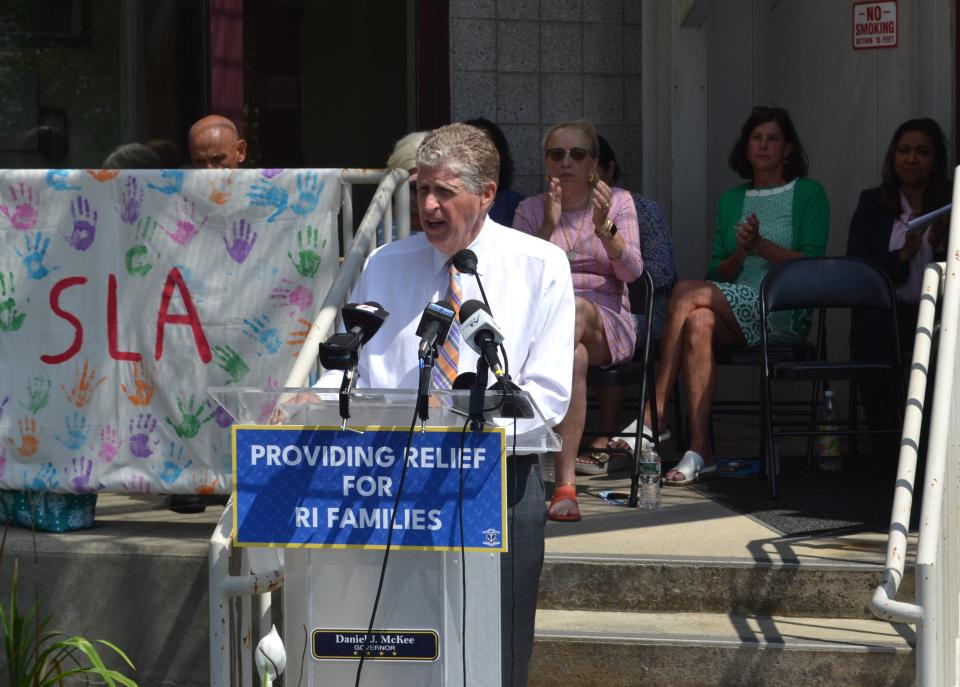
[712, 585]
[700, 649]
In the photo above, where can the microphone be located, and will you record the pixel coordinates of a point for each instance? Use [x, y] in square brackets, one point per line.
[342, 350]
[481, 333]
[433, 327]
[363, 319]
[466, 262]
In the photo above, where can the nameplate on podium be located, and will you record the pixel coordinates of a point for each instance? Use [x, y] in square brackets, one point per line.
[320, 487]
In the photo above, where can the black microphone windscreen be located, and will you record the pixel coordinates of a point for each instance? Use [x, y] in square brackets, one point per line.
[465, 261]
[465, 380]
[469, 308]
[367, 316]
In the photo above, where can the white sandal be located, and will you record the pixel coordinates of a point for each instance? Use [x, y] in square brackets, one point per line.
[692, 467]
[646, 439]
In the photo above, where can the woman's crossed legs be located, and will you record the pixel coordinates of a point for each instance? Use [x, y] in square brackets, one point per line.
[698, 319]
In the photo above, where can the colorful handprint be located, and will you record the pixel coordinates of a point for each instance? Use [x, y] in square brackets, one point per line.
[33, 256]
[206, 484]
[309, 188]
[29, 437]
[291, 293]
[143, 387]
[190, 418]
[231, 362]
[79, 473]
[11, 319]
[270, 172]
[243, 239]
[84, 224]
[142, 439]
[220, 188]
[268, 194]
[38, 395]
[24, 209]
[44, 480]
[260, 329]
[82, 390]
[173, 466]
[131, 200]
[222, 417]
[138, 260]
[3, 460]
[102, 175]
[308, 257]
[187, 226]
[76, 435]
[110, 443]
[136, 484]
[58, 180]
[3, 405]
[299, 337]
[171, 182]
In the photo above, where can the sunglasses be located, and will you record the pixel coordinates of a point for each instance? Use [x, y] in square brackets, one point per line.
[576, 154]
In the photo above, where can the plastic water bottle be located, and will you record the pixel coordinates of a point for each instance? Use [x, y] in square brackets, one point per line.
[649, 478]
[829, 448]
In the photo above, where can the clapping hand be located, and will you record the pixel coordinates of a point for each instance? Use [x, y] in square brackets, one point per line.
[551, 205]
[748, 235]
[600, 201]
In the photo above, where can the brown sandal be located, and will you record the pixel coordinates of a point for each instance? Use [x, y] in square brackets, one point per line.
[562, 492]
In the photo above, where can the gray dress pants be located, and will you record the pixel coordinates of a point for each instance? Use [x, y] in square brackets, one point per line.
[520, 568]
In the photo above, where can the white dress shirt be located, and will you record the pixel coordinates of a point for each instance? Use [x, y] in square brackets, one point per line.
[528, 284]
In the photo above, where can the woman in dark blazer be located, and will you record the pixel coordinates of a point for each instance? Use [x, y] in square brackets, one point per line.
[915, 181]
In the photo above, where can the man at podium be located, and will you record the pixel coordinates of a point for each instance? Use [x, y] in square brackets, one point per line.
[527, 282]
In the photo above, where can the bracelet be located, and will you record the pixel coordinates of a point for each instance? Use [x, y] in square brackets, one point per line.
[608, 230]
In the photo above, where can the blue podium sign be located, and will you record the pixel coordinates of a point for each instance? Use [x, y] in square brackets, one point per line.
[326, 488]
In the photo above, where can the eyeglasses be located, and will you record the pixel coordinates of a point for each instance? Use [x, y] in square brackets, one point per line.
[576, 154]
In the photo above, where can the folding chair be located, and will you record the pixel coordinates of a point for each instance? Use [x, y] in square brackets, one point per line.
[639, 371]
[820, 284]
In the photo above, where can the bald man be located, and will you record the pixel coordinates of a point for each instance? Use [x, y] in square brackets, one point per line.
[215, 144]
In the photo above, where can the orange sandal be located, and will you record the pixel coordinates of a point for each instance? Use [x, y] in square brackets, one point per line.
[562, 492]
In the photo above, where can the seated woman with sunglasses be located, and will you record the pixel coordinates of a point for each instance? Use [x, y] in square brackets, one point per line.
[597, 228]
[778, 215]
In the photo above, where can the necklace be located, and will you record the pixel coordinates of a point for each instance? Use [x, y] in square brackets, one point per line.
[571, 253]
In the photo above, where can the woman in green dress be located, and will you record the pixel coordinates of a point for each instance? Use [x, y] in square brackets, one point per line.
[778, 215]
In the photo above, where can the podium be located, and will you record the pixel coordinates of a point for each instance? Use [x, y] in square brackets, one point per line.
[332, 571]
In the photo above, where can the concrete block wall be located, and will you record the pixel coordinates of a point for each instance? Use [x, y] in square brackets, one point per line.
[527, 64]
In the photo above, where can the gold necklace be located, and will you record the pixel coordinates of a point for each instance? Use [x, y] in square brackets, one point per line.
[571, 253]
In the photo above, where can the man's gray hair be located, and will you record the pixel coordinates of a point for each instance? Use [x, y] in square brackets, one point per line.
[466, 150]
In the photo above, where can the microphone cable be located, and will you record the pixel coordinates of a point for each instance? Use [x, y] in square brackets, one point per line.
[463, 560]
[386, 552]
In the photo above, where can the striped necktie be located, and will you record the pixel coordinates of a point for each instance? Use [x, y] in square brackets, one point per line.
[445, 366]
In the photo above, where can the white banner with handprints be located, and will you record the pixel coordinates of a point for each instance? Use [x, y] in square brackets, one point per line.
[124, 295]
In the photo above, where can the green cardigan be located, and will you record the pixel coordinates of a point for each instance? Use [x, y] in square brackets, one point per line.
[811, 222]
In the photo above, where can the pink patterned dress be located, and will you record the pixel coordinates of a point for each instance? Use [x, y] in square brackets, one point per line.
[596, 277]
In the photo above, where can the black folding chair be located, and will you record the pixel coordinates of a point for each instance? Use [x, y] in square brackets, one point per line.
[638, 371]
[820, 284]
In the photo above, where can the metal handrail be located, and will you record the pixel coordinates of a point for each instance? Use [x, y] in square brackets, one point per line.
[884, 604]
[230, 627]
[935, 612]
[937, 545]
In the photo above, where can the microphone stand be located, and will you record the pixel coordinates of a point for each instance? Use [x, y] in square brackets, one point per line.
[477, 393]
[423, 388]
[346, 388]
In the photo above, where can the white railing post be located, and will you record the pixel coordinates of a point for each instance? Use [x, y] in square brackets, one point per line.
[232, 624]
[884, 604]
[936, 571]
